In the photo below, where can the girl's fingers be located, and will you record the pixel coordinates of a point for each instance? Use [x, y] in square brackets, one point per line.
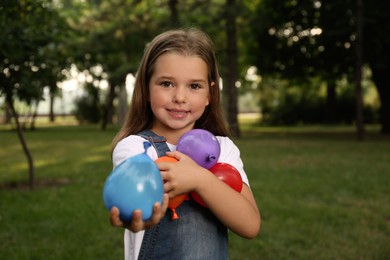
[137, 223]
[167, 187]
[156, 216]
[158, 212]
[163, 166]
[114, 218]
[164, 206]
[176, 154]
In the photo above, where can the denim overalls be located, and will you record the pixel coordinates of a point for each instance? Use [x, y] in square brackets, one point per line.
[197, 234]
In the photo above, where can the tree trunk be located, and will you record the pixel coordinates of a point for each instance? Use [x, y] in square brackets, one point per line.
[381, 78]
[22, 140]
[377, 46]
[51, 108]
[122, 105]
[358, 72]
[330, 115]
[34, 115]
[232, 77]
[174, 16]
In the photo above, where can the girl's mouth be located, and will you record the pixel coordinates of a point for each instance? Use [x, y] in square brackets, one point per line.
[177, 113]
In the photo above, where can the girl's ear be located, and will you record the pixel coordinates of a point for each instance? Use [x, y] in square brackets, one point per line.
[212, 85]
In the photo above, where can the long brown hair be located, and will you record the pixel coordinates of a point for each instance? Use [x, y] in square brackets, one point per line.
[190, 42]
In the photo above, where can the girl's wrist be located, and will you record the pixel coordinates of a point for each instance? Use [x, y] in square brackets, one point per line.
[205, 179]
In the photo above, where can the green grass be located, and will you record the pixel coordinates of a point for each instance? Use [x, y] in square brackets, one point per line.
[321, 193]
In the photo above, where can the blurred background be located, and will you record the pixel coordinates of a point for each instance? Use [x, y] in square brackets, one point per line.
[302, 81]
[289, 62]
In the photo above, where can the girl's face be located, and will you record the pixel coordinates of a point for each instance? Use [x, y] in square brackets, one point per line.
[179, 92]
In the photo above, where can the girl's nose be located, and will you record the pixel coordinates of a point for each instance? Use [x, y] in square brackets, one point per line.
[180, 95]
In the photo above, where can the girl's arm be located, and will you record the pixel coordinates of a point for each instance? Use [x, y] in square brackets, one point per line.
[237, 211]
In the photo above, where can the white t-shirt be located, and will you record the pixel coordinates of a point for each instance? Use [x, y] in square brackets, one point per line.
[133, 145]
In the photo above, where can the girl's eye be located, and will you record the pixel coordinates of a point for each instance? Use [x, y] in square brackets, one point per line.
[195, 86]
[166, 84]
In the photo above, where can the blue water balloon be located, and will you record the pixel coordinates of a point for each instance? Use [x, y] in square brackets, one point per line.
[135, 183]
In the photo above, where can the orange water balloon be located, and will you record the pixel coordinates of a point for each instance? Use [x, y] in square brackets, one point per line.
[177, 200]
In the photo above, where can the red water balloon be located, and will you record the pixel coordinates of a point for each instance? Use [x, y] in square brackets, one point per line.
[226, 173]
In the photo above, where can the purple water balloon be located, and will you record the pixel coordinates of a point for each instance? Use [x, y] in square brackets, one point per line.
[201, 145]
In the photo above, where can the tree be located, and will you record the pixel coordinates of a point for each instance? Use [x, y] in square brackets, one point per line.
[376, 42]
[30, 37]
[358, 70]
[106, 36]
[232, 75]
[109, 38]
[298, 39]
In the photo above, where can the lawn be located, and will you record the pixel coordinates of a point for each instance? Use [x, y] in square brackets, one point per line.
[321, 193]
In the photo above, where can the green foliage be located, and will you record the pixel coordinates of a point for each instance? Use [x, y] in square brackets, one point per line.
[298, 39]
[107, 35]
[284, 104]
[32, 50]
[88, 106]
[322, 195]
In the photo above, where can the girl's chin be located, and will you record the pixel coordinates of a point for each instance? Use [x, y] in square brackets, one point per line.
[180, 126]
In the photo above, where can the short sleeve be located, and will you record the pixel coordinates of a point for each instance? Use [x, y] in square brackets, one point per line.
[131, 146]
[231, 154]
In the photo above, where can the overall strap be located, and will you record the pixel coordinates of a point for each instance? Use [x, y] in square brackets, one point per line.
[158, 142]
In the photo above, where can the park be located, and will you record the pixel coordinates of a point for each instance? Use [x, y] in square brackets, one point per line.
[305, 94]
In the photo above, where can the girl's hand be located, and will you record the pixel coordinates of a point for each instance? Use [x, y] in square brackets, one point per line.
[182, 176]
[137, 224]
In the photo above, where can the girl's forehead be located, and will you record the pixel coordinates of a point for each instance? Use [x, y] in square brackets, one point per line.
[175, 62]
[176, 54]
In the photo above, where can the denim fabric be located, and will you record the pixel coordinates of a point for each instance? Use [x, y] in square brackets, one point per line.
[158, 142]
[197, 234]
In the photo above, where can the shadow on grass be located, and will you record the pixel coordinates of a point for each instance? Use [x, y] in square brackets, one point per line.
[38, 184]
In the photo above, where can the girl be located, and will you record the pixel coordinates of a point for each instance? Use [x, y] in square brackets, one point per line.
[177, 89]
